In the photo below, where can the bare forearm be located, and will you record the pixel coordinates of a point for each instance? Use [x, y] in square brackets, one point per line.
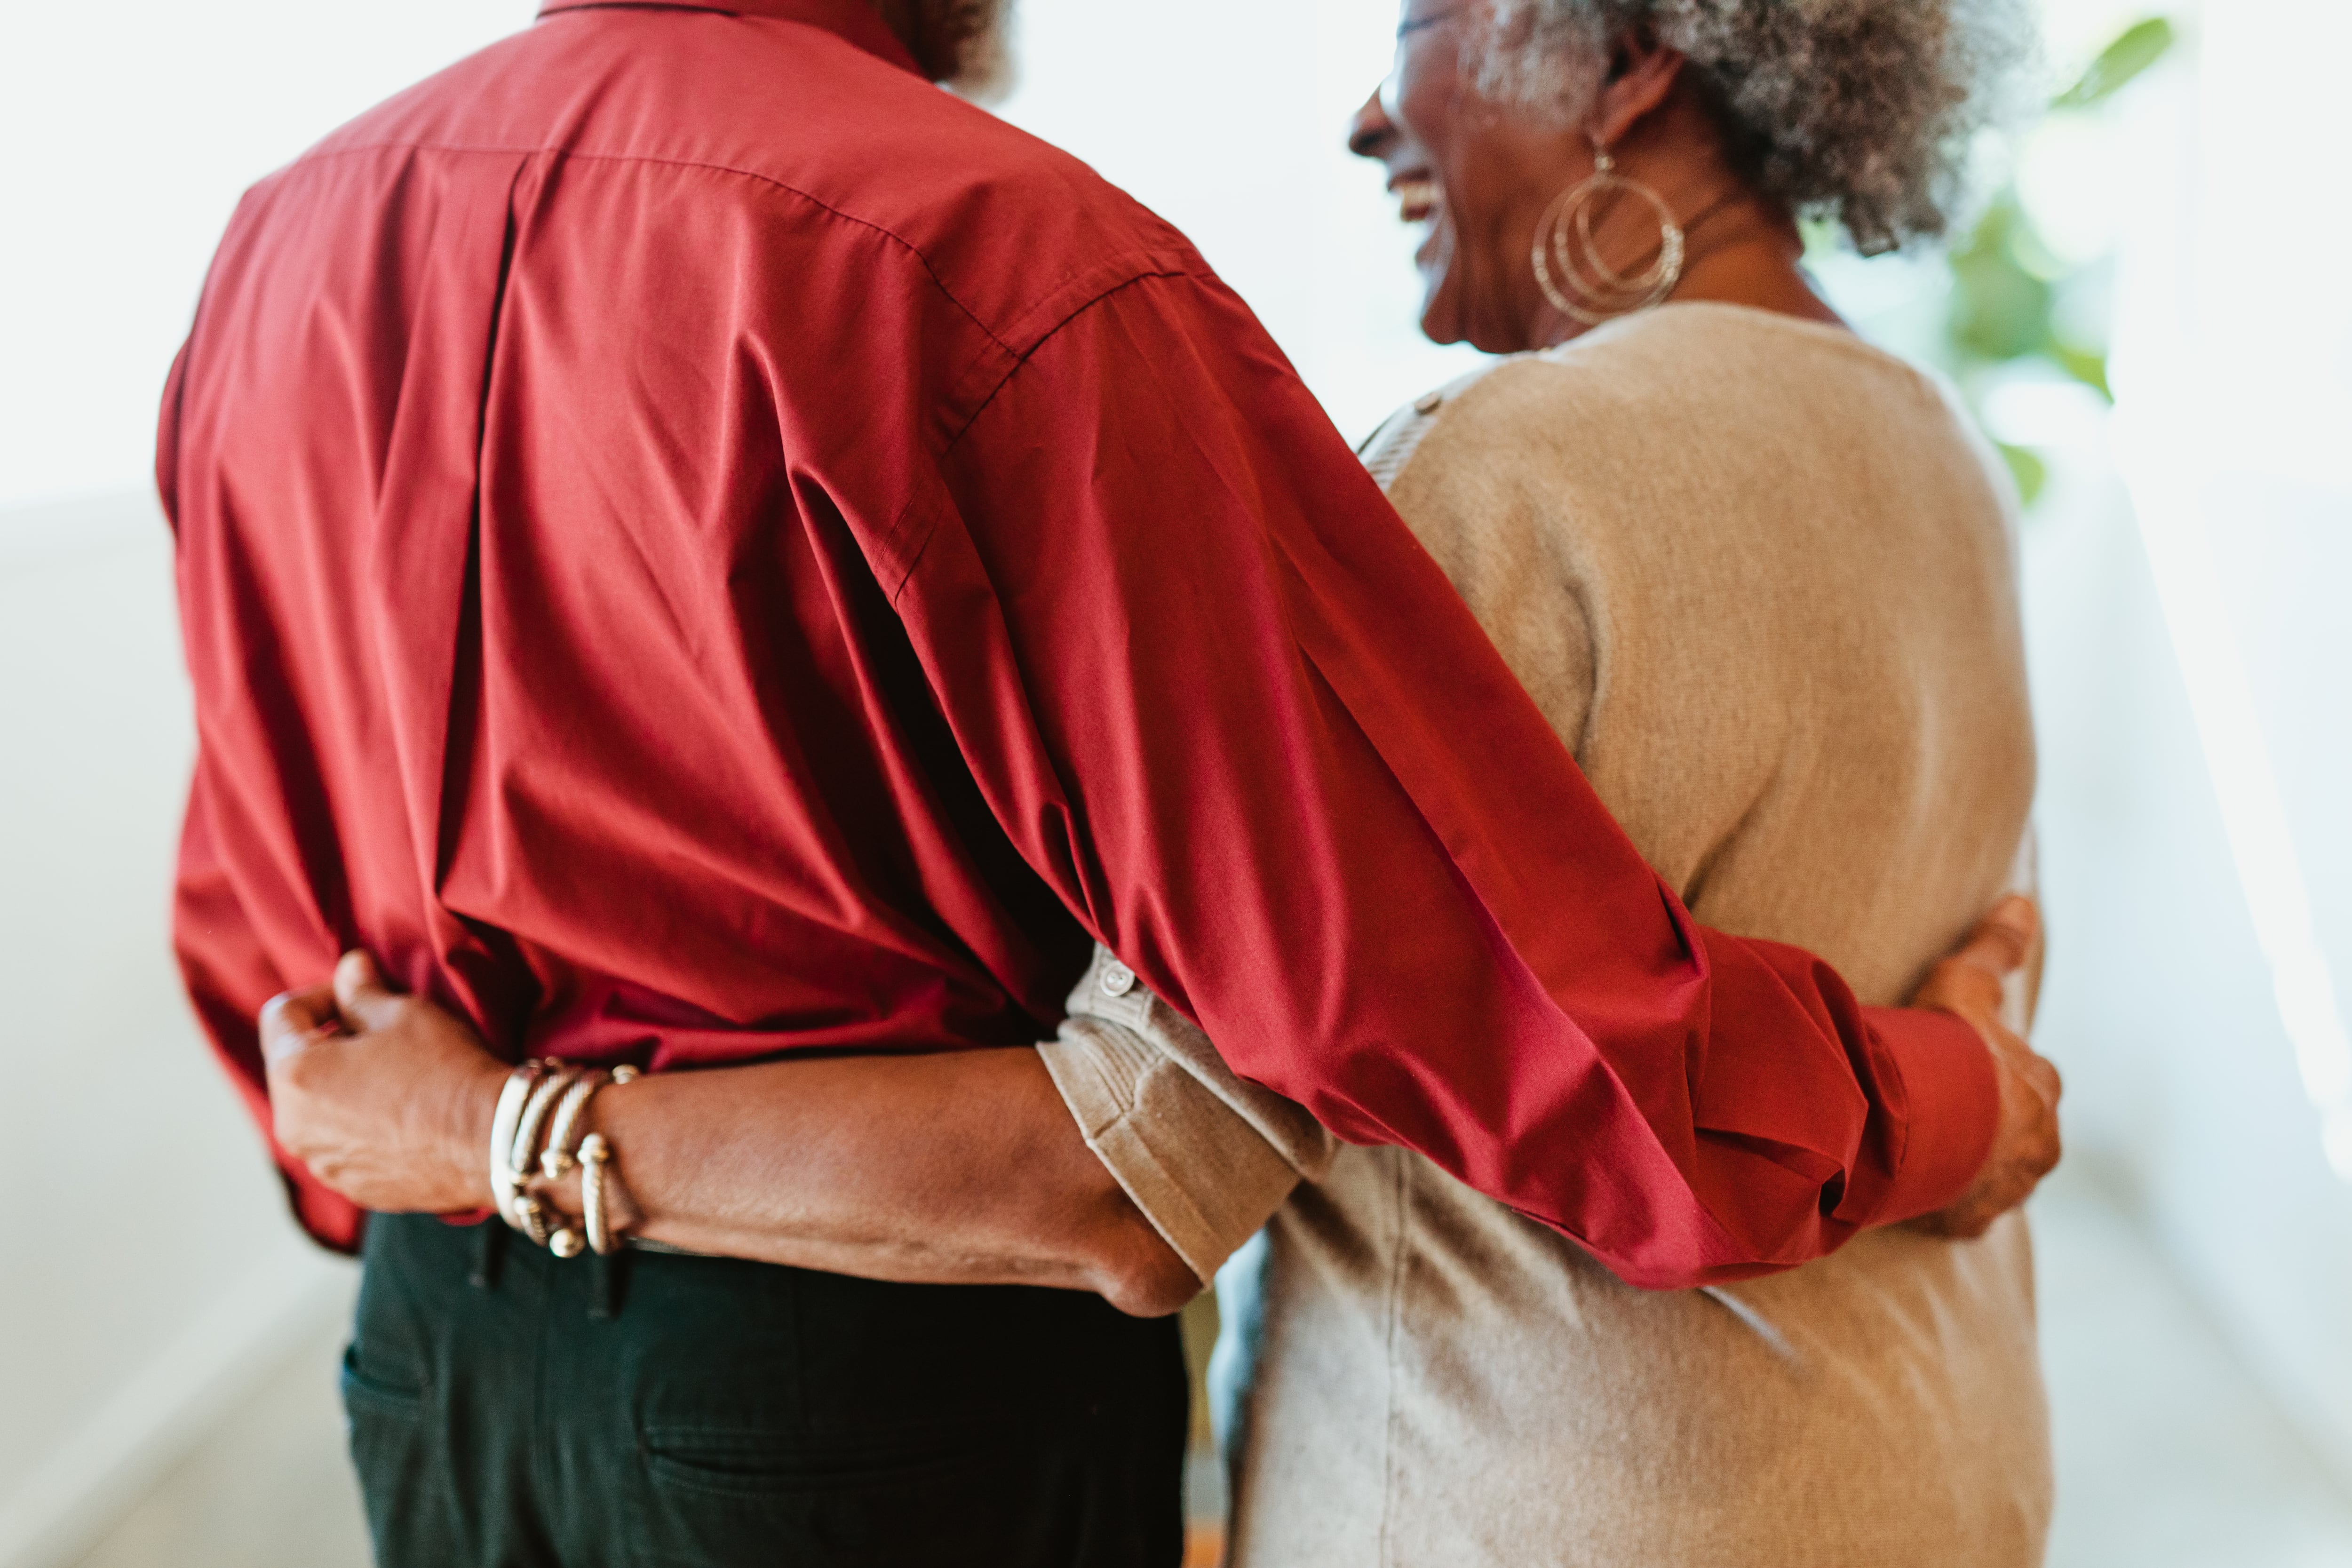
[928, 1170]
[963, 1168]
[953, 1169]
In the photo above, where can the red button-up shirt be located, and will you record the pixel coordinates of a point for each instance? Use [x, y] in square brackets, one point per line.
[697, 544]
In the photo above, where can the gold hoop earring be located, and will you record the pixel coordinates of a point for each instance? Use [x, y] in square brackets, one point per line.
[1568, 258]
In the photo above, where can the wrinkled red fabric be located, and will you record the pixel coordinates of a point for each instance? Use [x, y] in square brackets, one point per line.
[695, 544]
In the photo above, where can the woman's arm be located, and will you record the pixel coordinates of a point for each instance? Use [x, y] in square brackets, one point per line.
[963, 1168]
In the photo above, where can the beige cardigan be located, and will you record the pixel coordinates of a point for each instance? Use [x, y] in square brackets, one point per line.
[1760, 578]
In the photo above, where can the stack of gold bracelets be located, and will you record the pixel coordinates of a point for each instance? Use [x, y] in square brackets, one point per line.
[536, 1132]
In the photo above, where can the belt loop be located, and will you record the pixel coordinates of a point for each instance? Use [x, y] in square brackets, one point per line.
[608, 1284]
[489, 1254]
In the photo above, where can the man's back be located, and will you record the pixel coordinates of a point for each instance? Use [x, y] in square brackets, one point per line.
[561, 677]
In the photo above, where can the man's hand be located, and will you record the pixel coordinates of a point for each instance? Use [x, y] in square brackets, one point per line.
[1971, 985]
[387, 1099]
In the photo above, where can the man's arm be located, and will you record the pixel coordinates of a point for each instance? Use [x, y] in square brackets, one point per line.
[1229, 709]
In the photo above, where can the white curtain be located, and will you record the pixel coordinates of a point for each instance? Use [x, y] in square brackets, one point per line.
[2192, 649]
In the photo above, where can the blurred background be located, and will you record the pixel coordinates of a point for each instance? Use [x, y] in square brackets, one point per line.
[2150, 318]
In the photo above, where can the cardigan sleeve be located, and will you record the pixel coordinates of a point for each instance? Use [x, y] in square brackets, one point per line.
[1207, 1155]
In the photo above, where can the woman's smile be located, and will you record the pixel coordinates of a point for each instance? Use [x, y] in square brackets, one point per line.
[1417, 198]
[1421, 203]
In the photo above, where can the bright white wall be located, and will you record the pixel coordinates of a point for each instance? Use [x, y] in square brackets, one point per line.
[149, 1270]
[129, 130]
[151, 1274]
[2225, 916]
[1229, 118]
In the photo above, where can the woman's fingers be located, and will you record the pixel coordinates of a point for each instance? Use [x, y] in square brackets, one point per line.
[386, 1098]
[1971, 982]
[1965, 986]
[2026, 1143]
[355, 1003]
[292, 1021]
[2004, 939]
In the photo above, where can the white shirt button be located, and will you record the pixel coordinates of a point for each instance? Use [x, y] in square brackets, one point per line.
[1118, 980]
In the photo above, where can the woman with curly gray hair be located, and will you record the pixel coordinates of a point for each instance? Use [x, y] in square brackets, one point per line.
[1741, 115]
[1759, 577]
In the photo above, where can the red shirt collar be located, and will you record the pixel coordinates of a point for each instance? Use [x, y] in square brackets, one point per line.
[855, 20]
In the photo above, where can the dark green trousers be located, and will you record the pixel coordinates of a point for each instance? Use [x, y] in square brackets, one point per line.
[509, 1410]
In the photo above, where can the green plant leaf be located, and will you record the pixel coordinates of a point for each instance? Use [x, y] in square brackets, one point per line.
[2030, 471]
[1821, 236]
[2085, 365]
[1999, 311]
[2140, 47]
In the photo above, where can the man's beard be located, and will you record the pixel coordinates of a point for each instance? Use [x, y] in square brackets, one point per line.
[967, 44]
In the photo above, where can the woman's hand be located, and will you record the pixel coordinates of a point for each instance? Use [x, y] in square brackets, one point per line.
[388, 1100]
[1973, 984]
[960, 1167]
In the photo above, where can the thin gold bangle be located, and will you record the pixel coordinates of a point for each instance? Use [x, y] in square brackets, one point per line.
[517, 1092]
[560, 1159]
[529, 1215]
[522, 1156]
[555, 1162]
[595, 1158]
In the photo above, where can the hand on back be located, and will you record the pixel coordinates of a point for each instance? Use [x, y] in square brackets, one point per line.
[1971, 984]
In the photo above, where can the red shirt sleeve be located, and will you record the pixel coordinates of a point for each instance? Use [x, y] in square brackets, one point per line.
[1228, 707]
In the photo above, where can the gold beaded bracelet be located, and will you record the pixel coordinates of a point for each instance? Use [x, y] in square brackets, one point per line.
[569, 1094]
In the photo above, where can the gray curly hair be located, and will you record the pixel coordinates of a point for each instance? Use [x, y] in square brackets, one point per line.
[1859, 111]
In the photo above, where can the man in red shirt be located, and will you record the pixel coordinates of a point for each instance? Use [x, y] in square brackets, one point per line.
[705, 552]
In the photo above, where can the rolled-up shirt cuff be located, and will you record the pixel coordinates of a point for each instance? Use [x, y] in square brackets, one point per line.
[1951, 1103]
